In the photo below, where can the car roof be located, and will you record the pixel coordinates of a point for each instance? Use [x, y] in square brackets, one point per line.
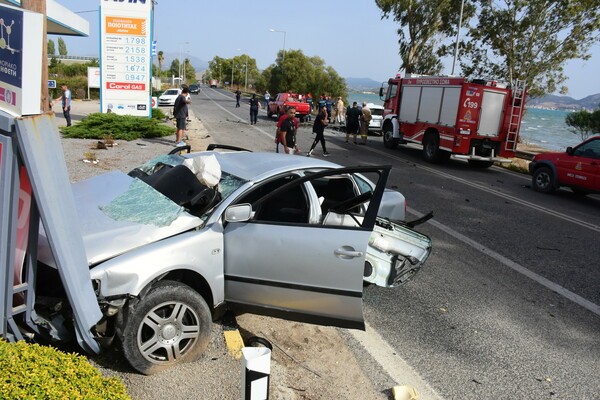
[373, 105]
[253, 166]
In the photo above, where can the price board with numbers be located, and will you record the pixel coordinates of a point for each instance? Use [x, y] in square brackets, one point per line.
[126, 60]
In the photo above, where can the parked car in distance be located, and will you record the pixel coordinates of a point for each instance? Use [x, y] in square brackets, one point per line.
[168, 97]
[194, 88]
[577, 168]
[283, 101]
[377, 117]
[290, 237]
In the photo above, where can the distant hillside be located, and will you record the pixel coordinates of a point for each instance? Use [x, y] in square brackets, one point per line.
[565, 103]
[196, 62]
[362, 85]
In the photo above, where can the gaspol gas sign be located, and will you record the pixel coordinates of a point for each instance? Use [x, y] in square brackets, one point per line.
[126, 61]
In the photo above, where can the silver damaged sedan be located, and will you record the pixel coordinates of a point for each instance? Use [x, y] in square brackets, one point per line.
[290, 237]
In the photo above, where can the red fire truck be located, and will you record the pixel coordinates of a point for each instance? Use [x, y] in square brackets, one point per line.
[476, 120]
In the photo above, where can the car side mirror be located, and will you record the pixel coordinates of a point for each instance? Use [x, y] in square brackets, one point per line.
[570, 150]
[381, 91]
[238, 213]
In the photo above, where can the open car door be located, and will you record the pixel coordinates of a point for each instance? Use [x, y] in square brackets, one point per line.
[297, 255]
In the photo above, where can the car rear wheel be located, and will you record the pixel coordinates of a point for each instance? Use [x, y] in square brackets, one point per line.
[169, 325]
[543, 180]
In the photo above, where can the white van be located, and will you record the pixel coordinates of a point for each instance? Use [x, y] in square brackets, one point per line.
[377, 117]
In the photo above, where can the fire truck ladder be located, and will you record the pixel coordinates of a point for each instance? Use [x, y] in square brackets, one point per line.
[516, 115]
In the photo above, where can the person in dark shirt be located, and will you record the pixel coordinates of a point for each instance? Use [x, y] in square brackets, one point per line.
[329, 105]
[238, 94]
[180, 112]
[254, 106]
[318, 129]
[352, 121]
[286, 133]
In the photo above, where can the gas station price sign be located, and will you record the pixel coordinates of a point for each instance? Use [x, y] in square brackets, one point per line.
[126, 60]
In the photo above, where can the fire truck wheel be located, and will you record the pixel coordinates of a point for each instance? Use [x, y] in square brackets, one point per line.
[480, 164]
[543, 180]
[431, 148]
[388, 140]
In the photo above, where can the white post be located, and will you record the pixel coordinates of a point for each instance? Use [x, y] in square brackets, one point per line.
[256, 371]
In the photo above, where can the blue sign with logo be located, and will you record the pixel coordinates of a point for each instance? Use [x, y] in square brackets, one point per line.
[11, 46]
[51, 84]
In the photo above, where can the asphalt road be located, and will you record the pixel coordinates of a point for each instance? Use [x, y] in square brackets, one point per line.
[508, 304]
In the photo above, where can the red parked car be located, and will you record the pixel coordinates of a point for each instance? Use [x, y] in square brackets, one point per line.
[577, 168]
[281, 103]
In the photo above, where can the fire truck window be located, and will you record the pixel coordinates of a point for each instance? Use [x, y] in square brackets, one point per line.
[392, 90]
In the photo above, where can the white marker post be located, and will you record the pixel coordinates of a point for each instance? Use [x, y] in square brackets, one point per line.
[256, 371]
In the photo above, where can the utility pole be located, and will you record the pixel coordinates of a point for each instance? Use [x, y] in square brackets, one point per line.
[39, 6]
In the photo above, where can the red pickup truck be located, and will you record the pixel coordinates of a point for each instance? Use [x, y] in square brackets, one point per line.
[285, 100]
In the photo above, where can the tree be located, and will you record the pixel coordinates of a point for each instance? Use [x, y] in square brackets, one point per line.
[51, 48]
[62, 47]
[174, 68]
[161, 59]
[423, 25]
[301, 74]
[190, 72]
[530, 40]
[584, 123]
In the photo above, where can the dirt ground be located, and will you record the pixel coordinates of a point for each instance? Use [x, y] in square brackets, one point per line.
[309, 361]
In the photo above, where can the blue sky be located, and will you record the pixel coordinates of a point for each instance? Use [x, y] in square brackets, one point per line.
[348, 34]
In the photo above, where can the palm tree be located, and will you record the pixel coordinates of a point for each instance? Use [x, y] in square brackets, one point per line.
[161, 59]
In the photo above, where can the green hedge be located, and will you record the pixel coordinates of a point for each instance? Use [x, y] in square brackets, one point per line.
[31, 371]
[121, 127]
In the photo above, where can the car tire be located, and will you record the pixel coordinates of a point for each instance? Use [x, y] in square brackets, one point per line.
[170, 324]
[389, 140]
[543, 180]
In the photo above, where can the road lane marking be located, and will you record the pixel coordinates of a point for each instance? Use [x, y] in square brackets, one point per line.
[517, 200]
[386, 356]
[513, 265]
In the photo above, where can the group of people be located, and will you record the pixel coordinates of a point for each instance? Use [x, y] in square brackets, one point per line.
[357, 120]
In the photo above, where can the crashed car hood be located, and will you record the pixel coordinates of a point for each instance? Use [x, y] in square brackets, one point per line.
[104, 237]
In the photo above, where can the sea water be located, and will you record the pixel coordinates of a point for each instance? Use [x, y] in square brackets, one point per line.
[543, 128]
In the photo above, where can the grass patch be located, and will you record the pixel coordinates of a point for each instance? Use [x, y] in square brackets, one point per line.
[121, 127]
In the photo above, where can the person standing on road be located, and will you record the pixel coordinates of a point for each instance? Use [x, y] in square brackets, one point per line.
[365, 120]
[286, 133]
[352, 121]
[254, 106]
[329, 105]
[267, 98]
[319, 129]
[66, 102]
[180, 112]
[238, 94]
[340, 111]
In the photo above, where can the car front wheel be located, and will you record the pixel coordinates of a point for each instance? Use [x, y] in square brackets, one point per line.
[170, 325]
[543, 180]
